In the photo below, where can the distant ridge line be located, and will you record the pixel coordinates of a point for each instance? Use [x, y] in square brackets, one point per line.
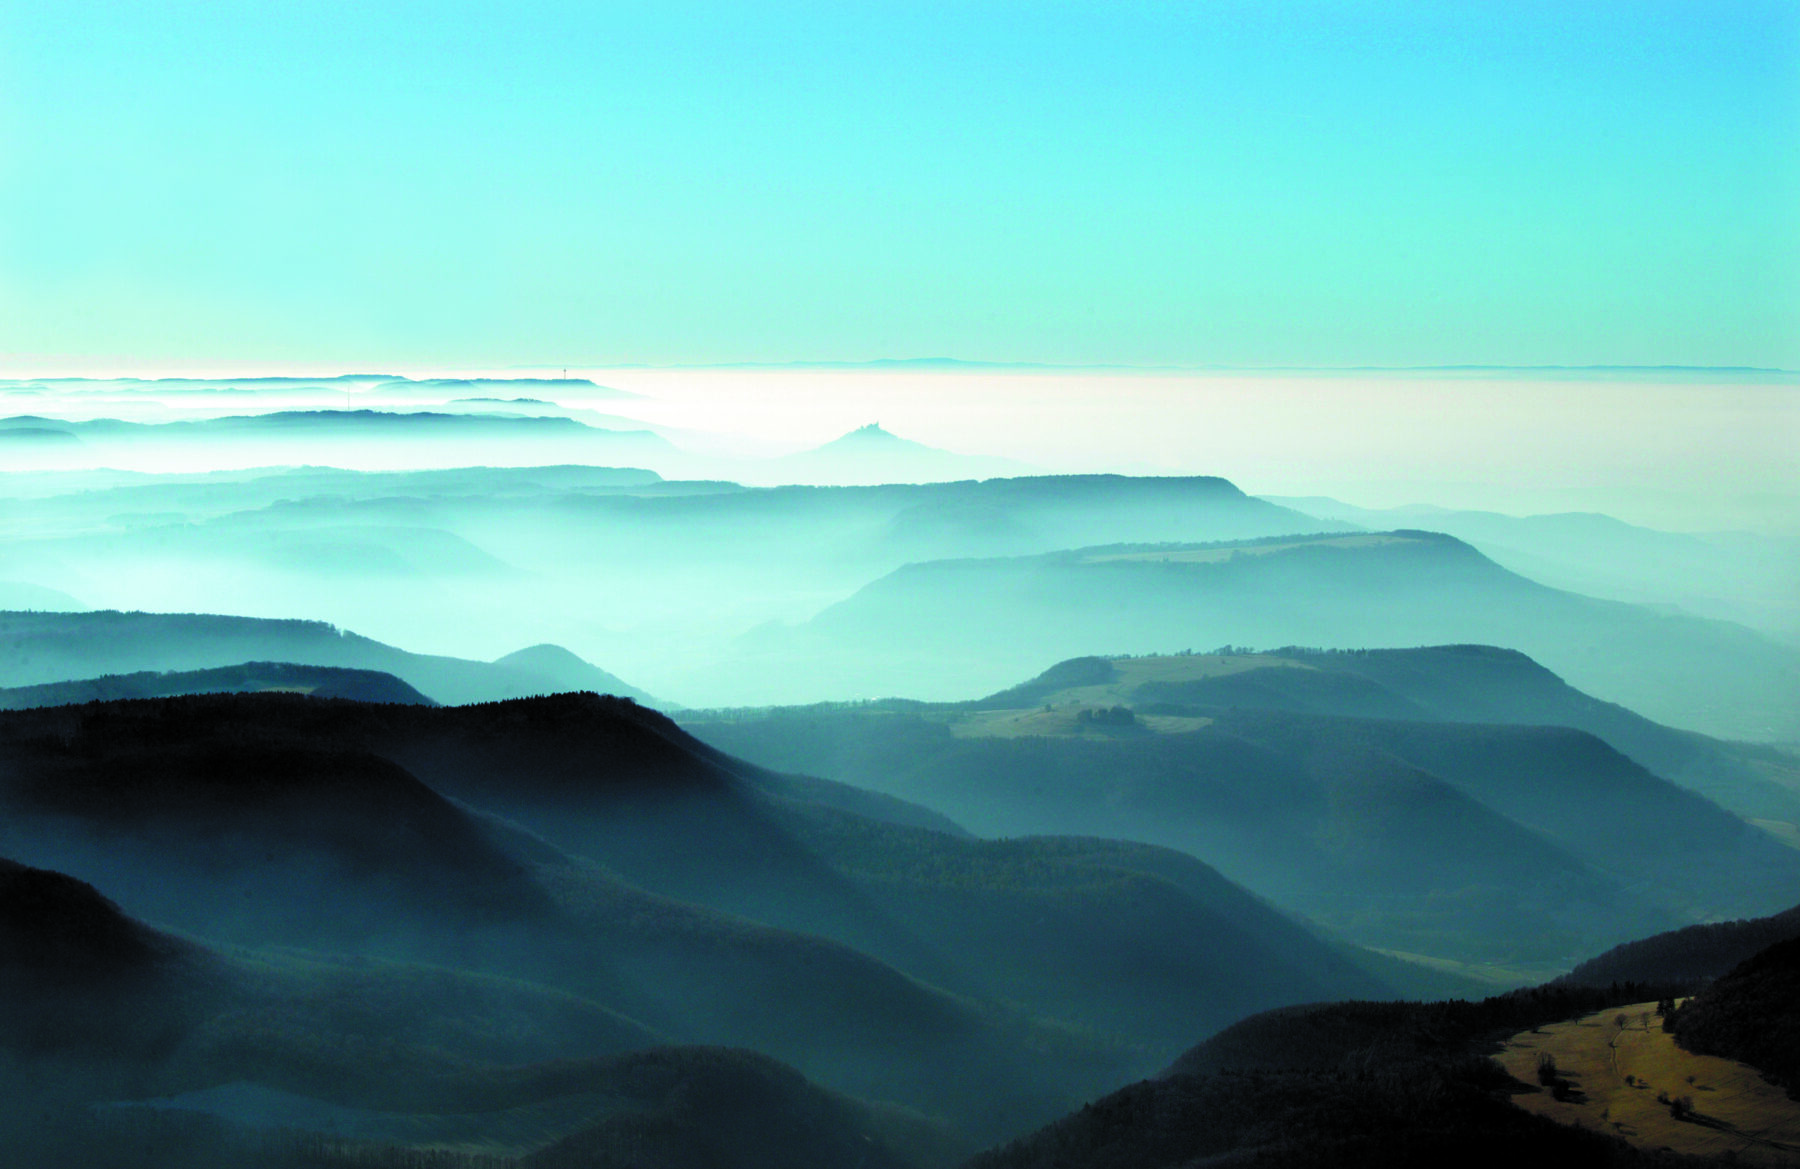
[903, 363]
[963, 363]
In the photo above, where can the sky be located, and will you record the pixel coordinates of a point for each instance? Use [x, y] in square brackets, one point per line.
[1259, 184]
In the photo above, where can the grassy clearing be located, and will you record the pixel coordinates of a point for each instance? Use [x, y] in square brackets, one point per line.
[1616, 1075]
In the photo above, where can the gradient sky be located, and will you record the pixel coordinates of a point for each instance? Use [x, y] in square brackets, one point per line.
[1263, 183]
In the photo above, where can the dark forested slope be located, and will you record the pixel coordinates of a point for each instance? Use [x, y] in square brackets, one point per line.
[1695, 952]
[1752, 1014]
[588, 844]
[318, 681]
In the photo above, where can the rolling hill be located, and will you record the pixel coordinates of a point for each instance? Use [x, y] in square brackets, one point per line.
[41, 648]
[1735, 576]
[617, 564]
[1514, 844]
[1751, 1014]
[103, 1009]
[589, 845]
[965, 624]
[340, 425]
[1453, 683]
[1375, 1084]
[1692, 954]
[318, 681]
[1362, 1085]
[871, 455]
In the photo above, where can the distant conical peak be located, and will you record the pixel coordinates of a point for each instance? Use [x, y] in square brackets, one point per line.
[872, 430]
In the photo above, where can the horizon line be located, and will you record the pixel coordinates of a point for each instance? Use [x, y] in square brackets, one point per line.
[923, 363]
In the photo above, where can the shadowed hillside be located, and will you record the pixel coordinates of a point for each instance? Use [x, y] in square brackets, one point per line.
[318, 681]
[1752, 1014]
[1339, 1084]
[1695, 953]
[1510, 845]
[1735, 575]
[41, 648]
[101, 1008]
[1450, 683]
[589, 844]
[967, 624]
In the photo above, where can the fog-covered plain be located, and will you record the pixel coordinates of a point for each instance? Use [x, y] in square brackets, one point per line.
[1685, 450]
[1667, 489]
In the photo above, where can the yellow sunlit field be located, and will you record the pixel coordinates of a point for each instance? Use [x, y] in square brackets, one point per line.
[1618, 1072]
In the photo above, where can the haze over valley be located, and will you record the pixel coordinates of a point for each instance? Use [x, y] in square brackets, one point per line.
[994, 787]
[891, 586]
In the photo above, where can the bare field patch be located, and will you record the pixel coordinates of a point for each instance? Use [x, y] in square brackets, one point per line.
[1632, 1080]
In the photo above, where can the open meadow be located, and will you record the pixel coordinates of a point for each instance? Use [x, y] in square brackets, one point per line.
[1630, 1079]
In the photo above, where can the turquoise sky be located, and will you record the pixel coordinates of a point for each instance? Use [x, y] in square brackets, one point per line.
[1260, 183]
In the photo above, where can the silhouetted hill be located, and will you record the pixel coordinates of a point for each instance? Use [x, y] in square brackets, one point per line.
[1453, 683]
[318, 681]
[18, 432]
[19, 595]
[39, 648]
[871, 455]
[587, 386]
[100, 1007]
[1735, 576]
[893, 523]
[341, 850]
[1752, 1015]
[641, 870]
[1503, 844]
[111, 1004]
[431, 557]
[951, 624]
[1346, 1083]
[723, 1109]
[1484, 684]
[1694, 953]
[124, 789]
[566, 671]
[53, 926]
[1340, 1084]
[343, 424]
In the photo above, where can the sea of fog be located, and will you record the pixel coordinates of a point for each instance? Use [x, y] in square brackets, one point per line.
[1679, 450]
